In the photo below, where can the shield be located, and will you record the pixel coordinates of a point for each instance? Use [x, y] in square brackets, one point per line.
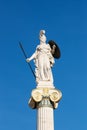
[55, 49]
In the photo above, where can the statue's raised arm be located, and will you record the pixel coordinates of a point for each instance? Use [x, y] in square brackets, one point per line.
[44, 59]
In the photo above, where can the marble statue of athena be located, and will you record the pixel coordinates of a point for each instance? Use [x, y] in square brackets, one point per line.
[44, 60]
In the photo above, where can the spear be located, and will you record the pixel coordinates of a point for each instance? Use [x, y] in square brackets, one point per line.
[20, 44]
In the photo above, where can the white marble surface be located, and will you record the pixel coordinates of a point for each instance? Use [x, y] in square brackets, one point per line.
[43, 60]
[45, 118]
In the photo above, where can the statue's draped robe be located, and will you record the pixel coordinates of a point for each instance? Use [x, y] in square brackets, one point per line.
[43, 61]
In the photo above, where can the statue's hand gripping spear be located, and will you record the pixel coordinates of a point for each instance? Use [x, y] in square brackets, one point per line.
[26, 58]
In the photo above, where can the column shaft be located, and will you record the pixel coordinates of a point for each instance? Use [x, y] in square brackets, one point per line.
[45, 119]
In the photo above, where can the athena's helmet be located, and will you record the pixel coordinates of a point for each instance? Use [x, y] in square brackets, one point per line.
[42, 36]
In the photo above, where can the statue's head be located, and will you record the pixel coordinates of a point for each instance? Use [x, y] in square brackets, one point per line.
[42, 36]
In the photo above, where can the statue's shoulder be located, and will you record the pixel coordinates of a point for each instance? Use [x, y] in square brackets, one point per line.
[38, 46]
[48, 46]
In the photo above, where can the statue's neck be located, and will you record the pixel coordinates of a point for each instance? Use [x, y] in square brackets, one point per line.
[42, 42]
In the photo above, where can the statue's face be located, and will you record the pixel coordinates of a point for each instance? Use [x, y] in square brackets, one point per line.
[42, 38]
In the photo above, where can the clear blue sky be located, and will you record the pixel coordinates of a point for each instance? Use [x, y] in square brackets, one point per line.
[65, 22]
